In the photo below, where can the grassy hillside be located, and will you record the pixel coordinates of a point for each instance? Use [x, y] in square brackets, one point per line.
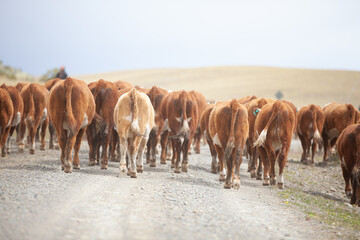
[301, 86]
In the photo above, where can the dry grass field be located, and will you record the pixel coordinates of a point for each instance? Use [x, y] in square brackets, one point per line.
[301, 86]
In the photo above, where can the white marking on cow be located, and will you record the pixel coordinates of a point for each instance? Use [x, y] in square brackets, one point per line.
[44, 115]
[311, 126]
[147, 130]
[166, 126]
[128, 118]
[16, 120]
[135, 126]
[179, 119]
[85, 122]
[261, 139]
[216, 140]
[33, 145]
[317, 135]
[9, 123]
[281, 178]
[223, 172]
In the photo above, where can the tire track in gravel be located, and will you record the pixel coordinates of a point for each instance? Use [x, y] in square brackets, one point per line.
[38, 201]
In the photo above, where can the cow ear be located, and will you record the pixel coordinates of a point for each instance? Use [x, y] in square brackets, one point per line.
[189, 119]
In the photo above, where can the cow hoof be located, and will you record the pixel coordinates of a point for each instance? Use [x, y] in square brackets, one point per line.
[8, 150]
[236, 184]
[152, 164]
[139, 169]
[197, 151]
[32, 151]
[273, 182]
[177, 170]
[77, 167]
[348, 194]
[67, 169]
[184, 167]
[172, 165]
[266, 182]
[92, 163]
[42, 148]
[222, 178]
[57, 147]
[281, 185]
[163, 162]
[214, 170]
[258, 177]
[21, 150]
[123, 168]
[104, 166]
[227, 185]
[253, 174]
[133, 175]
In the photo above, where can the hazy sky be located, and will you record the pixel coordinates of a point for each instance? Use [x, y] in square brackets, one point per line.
[98, 36]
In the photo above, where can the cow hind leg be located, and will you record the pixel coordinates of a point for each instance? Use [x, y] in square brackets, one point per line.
[220, 153]
[132, 150]
[266, 163]
[303, 145]
[214, 164]
[177, 149]
[185, 147]
[282, 162]
[346, 176]
[76, 163]
[140, 153]
[229, 167]
[238, 161]
[44, 126]
[313, 151]
[32, 132]
[123, 152]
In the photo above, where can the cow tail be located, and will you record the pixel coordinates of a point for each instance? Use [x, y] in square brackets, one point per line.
[31, 114]
[274, 113]
[69, 116]
[317, 135]
[135, 113]
[234, 106]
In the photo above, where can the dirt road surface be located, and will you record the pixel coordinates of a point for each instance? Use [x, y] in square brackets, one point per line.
[39, 201]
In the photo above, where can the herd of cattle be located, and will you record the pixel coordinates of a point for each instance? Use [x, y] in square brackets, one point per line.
[127, 120]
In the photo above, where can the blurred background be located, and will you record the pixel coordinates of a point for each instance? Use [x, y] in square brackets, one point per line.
[304, 51]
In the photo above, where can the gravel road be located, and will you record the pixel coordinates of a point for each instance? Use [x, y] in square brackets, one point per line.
[39, 201]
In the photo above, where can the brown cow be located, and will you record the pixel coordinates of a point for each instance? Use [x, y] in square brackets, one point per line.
[348, 146]
[247, 99]
[156, 96]
[35, 97]
[337, 118]
[275, 123]
[18, 105]
[106, 95]
[134, 119]
[6, 116]
[122, 84]
[204, 126]
[71, 108]
[253, 109]
[202, 104]
[53, 137]
[179, 120]
[229, 128]
[310, 122]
